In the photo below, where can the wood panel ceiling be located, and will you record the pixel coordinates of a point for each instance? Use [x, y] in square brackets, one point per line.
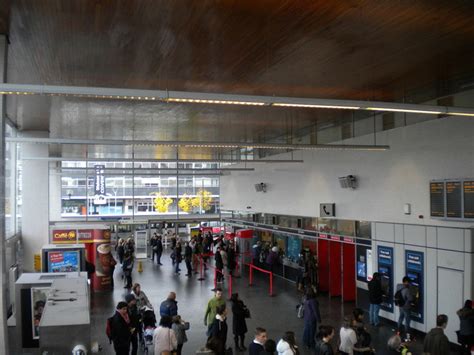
[351, 49]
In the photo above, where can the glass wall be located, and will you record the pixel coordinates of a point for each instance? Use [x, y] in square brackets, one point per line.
[12, 185]
[141, 189]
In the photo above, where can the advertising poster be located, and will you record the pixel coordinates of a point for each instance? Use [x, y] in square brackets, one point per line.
[104, 266]
[385, 263]
[63, 261]
[38, 302]
[415, 270]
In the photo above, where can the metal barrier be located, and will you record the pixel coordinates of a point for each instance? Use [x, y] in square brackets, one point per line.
[216, 271]
[251, 267]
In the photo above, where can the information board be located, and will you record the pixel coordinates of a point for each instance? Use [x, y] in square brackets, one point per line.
[468, 199]
[437, 199]
[453, 199]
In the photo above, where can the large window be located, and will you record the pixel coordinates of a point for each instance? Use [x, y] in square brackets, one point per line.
[146, 189]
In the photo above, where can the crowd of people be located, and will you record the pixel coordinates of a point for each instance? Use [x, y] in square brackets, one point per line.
[135, 323]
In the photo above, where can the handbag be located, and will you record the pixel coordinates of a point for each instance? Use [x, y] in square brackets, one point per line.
[246, 313]
[300, 312]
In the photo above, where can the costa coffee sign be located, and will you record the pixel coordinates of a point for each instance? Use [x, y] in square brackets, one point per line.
[64, 236]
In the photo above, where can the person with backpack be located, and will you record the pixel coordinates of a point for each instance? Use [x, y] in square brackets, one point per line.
[119, 330]
[375, 299]
[404, 299]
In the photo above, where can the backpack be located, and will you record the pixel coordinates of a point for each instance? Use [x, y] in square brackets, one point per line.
[398, 298]
[108, 328]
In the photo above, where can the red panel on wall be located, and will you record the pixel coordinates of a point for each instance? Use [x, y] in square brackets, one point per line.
[348, 272]
[335, 269]
[323, 265]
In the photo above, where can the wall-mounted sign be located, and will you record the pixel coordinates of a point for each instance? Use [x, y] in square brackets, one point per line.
[99, 186]
[452, 199]
[327, 210]
[64, 236]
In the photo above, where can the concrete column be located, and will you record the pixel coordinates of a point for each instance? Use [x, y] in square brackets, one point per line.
[54, 196]
[3, 268]
[35, 204]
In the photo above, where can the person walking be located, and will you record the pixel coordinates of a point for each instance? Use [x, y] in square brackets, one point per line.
[120, 329]
[436, 342]
[219, 263]
[324, 337]
[159, 249]
[218, 330]
[375, 299]
[212, 306]
[287, 344]
[121, 250]
[178, 257]
[180, 326]
[164, 338]
[239, 325]
[188, 257]
[140, 296]
[153, 246]
[135, 321]
[127, 267]
[169, 307]
[256, 347]
[231, 258]
[311, 318]
[404, 303]
[466, 331]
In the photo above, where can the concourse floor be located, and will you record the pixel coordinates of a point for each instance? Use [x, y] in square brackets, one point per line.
[277, 314]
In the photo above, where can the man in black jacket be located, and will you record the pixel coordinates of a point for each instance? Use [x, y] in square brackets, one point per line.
[436, 342]
[121, 330]
[159, 249]
[256, 346]
[375, 298]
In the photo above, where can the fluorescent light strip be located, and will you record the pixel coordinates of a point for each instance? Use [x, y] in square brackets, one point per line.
[279, 104]
[223, 102]
[228, 99]
[404, 110]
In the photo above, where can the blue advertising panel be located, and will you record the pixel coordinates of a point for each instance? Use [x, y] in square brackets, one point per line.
[63, 261]
[414, 267]
[293, 248]
[385, 268]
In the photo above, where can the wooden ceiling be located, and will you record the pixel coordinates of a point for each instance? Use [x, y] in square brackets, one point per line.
[377, 50]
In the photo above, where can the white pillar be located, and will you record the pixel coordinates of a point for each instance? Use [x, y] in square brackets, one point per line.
[3, 269]
[35, 199]
[54, 196]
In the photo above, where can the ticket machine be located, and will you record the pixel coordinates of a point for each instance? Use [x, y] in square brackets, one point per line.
[385, 269]
[414, 270]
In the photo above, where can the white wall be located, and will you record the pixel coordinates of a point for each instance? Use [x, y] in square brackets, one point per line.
[428, 150]
[35, 196]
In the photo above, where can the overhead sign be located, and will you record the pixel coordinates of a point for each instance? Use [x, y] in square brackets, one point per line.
[64, 236]
[99, 186]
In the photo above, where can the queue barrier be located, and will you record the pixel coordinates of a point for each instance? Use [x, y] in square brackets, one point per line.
[251, 267]
[216, 271]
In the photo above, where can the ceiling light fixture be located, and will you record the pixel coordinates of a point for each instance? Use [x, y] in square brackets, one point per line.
[229, 99]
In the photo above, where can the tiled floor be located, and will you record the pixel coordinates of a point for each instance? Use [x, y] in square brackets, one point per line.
[277, 314]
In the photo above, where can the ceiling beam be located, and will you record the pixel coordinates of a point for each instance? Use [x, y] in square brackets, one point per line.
[229, 99]
[138, 160]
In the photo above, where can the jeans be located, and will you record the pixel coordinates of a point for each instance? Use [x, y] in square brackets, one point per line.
[374, 314]
[404, 314]
[309, 333]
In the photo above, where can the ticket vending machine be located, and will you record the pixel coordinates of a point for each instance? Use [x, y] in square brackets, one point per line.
[385, 268]
[414, 268]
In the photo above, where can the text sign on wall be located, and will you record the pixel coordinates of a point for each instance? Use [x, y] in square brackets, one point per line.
[99, 185]
[453, 199]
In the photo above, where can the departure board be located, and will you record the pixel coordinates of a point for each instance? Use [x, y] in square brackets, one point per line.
[453, 199]
[437, 199]
[468, 199]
